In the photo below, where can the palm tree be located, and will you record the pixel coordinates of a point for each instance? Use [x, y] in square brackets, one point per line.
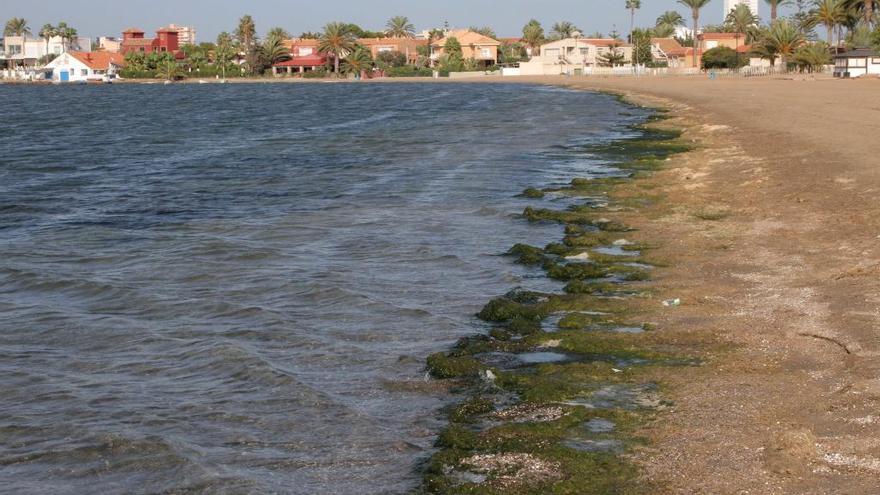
[774, 8]
[670, 20]
[47, 32]
[399, 27]
[274, 50]
[16, 26]
[783, 38]
[278, 32]
[865, 7]
[695, 6]
[632, 6]
[246, 33]
[67, 35]
[829, 13]
[223, 54]
[741, 19]
[168, 70]
[358, 61]
[338, 41]
[533, 35]
[564, 29]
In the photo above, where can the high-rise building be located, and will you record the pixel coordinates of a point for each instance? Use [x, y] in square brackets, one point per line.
[186, 35]
[731, 4]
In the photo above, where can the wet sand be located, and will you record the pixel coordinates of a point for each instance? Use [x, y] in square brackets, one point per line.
[772, 231]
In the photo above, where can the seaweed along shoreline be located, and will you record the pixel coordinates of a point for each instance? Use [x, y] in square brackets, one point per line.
[553, 397]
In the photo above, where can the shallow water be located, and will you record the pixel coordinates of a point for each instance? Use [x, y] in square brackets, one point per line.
[209, 288]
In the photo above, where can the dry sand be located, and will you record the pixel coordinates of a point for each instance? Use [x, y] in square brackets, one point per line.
[772, 228]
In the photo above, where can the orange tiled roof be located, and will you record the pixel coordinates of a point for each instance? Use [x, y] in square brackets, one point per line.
[670, 46]
[99, 60]
[467, 37]
[132, 31]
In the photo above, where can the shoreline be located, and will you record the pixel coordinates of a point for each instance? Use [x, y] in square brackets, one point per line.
[771, 238]
[568, 420]
[770, 235]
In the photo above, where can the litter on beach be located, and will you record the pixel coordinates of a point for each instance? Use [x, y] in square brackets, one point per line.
[672, 303]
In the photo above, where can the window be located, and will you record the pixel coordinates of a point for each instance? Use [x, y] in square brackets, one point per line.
[305, 51]
[585, 51]
[858, 63]
[487, 53]
[875, 60]
[84, 72]
[385, 49]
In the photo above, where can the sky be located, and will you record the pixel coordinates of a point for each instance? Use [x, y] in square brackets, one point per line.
[95, 18]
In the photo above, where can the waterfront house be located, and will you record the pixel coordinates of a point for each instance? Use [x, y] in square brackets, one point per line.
[84, 66]
[573, 56]
[857, 63]
[20, 51]
[409, 47]
[166, 40]
[474, 46]
[668, 51]
[304, 57]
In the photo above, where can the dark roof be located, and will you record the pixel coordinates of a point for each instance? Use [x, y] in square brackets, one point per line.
[858, 53]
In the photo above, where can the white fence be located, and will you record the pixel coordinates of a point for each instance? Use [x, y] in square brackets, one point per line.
[711, 73]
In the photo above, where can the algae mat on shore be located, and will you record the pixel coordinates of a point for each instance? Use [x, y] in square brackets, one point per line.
[554, 393]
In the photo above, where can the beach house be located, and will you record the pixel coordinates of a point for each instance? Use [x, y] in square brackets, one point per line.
[474, 46]
[409, 47]
[574, 56]
[668, 51]
[859, 62]
[20, 51]
[84, 66]
[304, 57]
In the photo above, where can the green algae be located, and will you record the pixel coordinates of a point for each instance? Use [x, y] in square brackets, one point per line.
[533, 193]
[441, 365]
[595, 299]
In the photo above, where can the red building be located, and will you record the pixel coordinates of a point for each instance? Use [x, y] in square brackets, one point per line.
[133, 40]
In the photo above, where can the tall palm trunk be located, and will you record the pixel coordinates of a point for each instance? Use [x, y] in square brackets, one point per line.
[696, 15]
[869, 12]
[773, 12]
[830, 28]
[632, 37]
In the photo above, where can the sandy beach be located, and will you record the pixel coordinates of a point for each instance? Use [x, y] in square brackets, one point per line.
[772, 232]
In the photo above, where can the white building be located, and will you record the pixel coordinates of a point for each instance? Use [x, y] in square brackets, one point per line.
[731, 4]
[857, 63]
[84, 67]
[572, 56]
[27, 51]
[186, 35]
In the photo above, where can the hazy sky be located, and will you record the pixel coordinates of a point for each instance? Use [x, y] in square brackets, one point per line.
[110, 17]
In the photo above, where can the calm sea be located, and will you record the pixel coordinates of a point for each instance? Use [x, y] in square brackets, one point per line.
[233, 288]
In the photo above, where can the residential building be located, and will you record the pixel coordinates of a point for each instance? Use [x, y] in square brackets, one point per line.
[731, 4]
[474, 46]
[84, 66]
[668, 51]
[574, 55]
[107, 44]
[857, 63]
[19, 51]
[407, 46]
[166, 40]
[186, 35]
[708, 41]
[304, 58]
